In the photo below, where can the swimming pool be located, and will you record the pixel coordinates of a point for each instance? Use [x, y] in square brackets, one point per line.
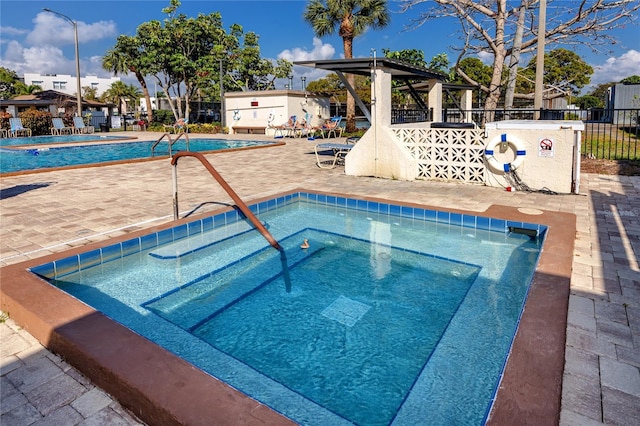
[41, 140]
[453, 368]
[15, 160]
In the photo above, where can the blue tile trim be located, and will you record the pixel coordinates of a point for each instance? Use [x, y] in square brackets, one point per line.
[111, 252]
[89, 259]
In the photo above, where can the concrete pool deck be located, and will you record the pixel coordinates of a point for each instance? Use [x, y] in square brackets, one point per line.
[47, 213]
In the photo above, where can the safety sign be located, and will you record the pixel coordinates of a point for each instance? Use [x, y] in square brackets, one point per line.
[545, 147]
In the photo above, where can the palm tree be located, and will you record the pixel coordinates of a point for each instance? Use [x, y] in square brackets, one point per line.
[23, 89]
[119, 93]
[125, 58]
[351, 18]
[90, 93]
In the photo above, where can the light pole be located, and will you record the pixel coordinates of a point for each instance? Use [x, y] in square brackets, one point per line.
[75, 30]
[304, 87]
[223, 112]
[290, 82]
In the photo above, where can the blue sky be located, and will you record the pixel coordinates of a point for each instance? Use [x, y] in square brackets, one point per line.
[35, 41]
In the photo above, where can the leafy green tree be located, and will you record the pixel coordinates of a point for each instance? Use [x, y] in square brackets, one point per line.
[601, 91]
[506, 29]
[564, 71]
[411, 56]
[588, 102]
[90, 93]
[120, 93]
[634, 79]
[23, 89]
[126, 57]
[8, 79]
[186, 55]
[351, 18]
[439, 62]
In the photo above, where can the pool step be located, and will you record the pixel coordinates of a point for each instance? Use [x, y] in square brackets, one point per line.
[199, 300]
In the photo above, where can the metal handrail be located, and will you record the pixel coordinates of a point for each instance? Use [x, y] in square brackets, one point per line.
[171, 142]
[236, 199]
[153, 147]
[186, 136]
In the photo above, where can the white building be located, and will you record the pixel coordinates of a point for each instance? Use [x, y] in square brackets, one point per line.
[68, 84]
[256, 110]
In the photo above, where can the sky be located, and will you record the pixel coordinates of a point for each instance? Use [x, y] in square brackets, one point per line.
[35, 41]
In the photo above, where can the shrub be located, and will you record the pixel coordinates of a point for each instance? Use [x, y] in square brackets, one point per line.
[163, 116]
[38, 121]
[4, 120]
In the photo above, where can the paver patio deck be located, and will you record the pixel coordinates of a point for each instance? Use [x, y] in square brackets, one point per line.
[49, 212]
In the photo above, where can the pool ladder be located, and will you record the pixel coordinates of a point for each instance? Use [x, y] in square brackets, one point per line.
[171, 142]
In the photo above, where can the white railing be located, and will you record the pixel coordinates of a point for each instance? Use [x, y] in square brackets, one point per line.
[446, 154]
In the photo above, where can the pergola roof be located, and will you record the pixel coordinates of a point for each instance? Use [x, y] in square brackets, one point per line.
[362, 66]
[51, 97]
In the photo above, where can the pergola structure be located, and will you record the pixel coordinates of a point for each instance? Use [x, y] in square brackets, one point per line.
[397, 70]
[380, 152]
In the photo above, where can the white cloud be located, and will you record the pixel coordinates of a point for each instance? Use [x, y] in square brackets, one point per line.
[42, 59]
[41, 51]
[320, 51]
[486, 58]
[12, 31]
[615, 69]
[54, 30]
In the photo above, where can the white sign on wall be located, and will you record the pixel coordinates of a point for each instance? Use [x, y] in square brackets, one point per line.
[545, 147]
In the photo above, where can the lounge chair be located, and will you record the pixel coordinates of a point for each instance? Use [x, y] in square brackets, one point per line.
[80, 127]
[180, 126]
[331, 126]
[59, 128]
[17, 129]
[339, 151]
[286, 129]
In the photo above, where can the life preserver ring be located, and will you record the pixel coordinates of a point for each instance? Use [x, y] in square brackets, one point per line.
[236, 115]
[493, 162]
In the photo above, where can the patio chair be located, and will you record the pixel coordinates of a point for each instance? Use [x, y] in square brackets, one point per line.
[80, 127]
[331, 126]
[338, 150]
[17, 129]
[180, 126]
[335, 128]
[59, 128]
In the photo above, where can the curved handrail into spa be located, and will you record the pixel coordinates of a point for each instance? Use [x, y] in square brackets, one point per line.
[236, 199]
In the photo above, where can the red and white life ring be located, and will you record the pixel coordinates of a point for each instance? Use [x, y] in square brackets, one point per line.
[515, 143]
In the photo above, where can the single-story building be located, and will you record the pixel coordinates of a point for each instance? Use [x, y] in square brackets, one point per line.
[57, 103]
[257, 111]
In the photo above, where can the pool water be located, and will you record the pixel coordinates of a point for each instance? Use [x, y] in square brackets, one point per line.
[41, 140]
[393, 315]
[13, 160]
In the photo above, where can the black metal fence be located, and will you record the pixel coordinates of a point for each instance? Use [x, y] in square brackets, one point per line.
[612, 134]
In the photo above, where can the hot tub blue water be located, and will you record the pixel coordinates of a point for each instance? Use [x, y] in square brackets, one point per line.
[393, 315]
[14, 160]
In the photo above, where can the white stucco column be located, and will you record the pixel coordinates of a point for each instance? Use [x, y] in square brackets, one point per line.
[435, 99]
[466, 103]
[381, 92]
[379, 153]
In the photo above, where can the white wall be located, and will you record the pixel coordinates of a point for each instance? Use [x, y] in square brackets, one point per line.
[556, 169]
[255, 108]
[68, 84]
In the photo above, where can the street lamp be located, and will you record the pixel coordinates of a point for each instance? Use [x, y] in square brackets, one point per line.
[290, 82]
[75, 30]
[304, 87]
